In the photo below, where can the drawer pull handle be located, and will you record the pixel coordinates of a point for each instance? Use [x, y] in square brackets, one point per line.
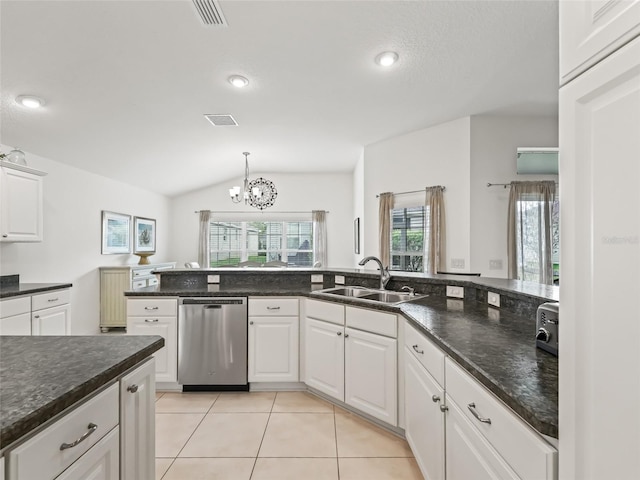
[339, 333]
[53, 300]
[251, 322]
[151, 320]
[151, 308]
[36, 316]
[132, 388]
[92, 428]
[472, 409]
[273, 308]
[415, 347]
[443, 408]
[435, 399]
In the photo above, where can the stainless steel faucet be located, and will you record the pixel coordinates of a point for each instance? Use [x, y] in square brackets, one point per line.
[385, 276]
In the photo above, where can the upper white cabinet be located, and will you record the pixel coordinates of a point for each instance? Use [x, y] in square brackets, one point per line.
[591, 30]
[273, 339]
[21, 203]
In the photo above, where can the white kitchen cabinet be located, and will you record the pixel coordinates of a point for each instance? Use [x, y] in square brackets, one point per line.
[157, 316]
[370, 375]
[591, 30]
[15, 316]
[137, 423]
[324, 357]
[600, 210]
[273, 340]
[21, 203]
[50, 313]
[100, 462]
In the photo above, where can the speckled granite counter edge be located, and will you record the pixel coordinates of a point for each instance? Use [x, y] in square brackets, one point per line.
[38, 417]
[31, 291]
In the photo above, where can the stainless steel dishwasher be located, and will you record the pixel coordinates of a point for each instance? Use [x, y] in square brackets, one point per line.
[212, 343]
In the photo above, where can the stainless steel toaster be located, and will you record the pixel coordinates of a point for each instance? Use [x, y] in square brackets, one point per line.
[547, 327]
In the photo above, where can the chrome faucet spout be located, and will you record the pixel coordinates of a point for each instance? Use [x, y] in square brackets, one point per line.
[385, 276]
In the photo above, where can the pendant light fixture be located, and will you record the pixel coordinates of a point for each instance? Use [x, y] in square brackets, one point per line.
[259, 193]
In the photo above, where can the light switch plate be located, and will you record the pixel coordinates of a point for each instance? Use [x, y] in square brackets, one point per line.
[457, 263]
[213, 278]
[339, 280]
[493, 299]
[455, 291]
[495, 264]
[316, 278]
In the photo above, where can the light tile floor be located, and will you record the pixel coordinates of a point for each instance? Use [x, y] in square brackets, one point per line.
[269, 435]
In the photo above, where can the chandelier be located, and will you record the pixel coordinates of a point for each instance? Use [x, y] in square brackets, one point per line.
[259, 193]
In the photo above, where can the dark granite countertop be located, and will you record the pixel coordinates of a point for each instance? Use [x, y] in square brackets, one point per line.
[40, 376]
[215, 290]
[7, 291]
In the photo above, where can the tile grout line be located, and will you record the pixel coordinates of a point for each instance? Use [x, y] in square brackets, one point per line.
[263, 435]
[335, 429]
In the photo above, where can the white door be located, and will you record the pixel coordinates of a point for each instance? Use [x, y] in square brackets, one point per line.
[16, 325]
[324, 357]
[469, 455]
[100, 462]
[273, 349]
[589, 31]
[51, 321]
[167, 356]
[20, 206]
[371, 374]
[424, 420]
[600, 234]
[137, 423]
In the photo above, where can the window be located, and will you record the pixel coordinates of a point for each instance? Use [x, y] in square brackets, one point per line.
[409, 230]
[261, 242]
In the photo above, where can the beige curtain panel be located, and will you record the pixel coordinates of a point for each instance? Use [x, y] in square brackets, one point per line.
[204, 240]
[529, 231]
[436, 256]
[319, 218]
[384, 220]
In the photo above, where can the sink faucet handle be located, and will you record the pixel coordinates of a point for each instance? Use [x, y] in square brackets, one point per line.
[409, 289]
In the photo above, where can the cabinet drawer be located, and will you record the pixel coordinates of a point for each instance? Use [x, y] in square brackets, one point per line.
[326, 311]
[430, 356]
[40, 457]
[153, 281]
[138, 284]
[273, 307]
[139, 307]
[522, 448]
[50, 299]
[15, 306]
[142, 272]
[372, 321]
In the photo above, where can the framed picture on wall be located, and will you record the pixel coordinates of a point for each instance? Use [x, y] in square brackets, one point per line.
[356, 235]
[144, 232]
[116, 233]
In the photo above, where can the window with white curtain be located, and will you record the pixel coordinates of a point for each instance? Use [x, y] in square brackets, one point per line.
[409, 234]
[233, 242]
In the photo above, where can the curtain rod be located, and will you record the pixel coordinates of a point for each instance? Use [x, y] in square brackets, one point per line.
[412, 191]
[505, 185]
[262, 211]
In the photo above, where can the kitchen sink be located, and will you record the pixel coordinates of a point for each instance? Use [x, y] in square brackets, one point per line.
[370, 295]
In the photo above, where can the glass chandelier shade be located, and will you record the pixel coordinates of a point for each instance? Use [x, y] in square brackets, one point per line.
[259, 193]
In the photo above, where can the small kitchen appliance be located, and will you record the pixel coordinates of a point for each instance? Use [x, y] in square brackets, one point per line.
[547, 327]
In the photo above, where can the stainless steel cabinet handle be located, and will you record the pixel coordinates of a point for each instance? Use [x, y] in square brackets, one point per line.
[251, 322]
[4, 235]
[472, 409]
[273, 308]
[346, 335]
[92, 428]
[132, 388]
[443, 408]
[435, 398]
[151, 308]
[53, 300]
[151, 320]
[339, 333]
[415, 347]
[36, 316]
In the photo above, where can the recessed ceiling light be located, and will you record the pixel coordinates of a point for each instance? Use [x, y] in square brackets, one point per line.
[30, 101]
[386, 59]
[238, 81]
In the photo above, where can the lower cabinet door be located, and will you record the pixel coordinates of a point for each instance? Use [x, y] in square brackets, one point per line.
[16, 325]
[424, 420]
[137, 423]
[273, 349]
[167, 356]
[469, 455]
[51, 321]
[324, 357]
[371, 374]
[100, 462]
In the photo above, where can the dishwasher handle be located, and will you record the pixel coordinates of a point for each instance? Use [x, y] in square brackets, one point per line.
[212, 306]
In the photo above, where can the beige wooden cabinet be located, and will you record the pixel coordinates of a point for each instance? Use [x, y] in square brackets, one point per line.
[21, 203]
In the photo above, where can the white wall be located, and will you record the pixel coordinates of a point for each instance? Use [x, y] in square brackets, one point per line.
[438, 155]
[70, 252]
[296, 192]
[358, 206]
[494, 140]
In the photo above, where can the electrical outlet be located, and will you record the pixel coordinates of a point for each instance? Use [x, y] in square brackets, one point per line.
[316, 278]
[457, 263]
[455, 291]
[455, 305]
[495, 264]
[339, 280]
[493, 299]
[213, 278]
[494, 314]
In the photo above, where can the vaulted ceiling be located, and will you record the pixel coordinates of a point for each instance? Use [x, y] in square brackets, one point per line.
[127, 83]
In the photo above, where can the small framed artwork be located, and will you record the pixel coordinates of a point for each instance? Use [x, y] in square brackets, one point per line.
[116, 233]
[144, 232]
[356, 235]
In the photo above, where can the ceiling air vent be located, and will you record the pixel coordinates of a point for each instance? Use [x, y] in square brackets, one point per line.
[222, 120]
[210, 12]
